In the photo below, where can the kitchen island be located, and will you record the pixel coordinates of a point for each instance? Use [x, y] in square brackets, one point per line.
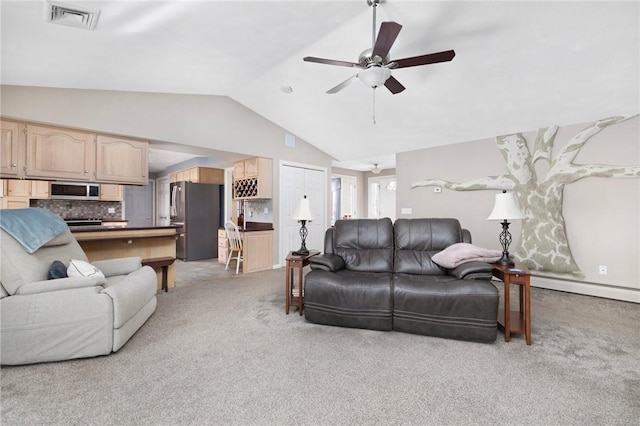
[108, 242]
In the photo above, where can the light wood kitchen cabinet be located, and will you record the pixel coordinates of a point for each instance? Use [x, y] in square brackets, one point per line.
[250, 167]
[14, 202]
[59, 153]
[18, 188]
[238, 170]
[122, 160]
[12, 156]
[223, 246]
[40, 189]
[257, 251]
[34, 151]
[199, 175]
[27, 188]
[111, 192]
[256, 180]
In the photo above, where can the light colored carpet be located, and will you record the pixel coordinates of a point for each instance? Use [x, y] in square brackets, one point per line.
[222, 351]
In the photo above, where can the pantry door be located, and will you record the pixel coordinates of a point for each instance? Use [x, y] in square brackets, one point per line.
[296, 181]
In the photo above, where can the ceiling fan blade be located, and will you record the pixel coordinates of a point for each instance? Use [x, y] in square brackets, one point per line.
[393, 85]
[342, 85]
[431, 58]
[386, 37]
[331, 62]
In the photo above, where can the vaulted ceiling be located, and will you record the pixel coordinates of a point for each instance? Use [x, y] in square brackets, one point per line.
[519, 65]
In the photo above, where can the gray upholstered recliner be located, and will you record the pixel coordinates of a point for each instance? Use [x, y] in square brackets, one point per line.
[58, 319]
[381, 276]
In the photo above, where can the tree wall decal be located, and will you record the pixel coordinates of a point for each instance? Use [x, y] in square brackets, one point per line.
[543, 243]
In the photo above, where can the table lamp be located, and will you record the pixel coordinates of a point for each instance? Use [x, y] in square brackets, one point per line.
[303, 215]
[505, 209]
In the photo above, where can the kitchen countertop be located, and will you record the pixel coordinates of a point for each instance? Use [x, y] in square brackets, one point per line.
[100, 228]
[255, 226]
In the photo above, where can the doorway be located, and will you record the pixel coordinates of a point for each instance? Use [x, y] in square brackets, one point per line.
[344, 195]
[382, 197]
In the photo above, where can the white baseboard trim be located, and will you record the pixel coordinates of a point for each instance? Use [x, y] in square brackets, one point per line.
[589, 289]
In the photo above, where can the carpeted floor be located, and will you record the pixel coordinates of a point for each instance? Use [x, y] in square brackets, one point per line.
[222, 351]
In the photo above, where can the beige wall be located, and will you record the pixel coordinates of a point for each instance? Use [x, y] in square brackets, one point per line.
[602, 214]
[215, 122]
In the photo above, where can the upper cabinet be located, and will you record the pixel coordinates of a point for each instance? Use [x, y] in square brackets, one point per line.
[59, 153]
[252, 178]
[199, 175]
[30, 151]
[121, 160]
[110, 192]
[11, 144]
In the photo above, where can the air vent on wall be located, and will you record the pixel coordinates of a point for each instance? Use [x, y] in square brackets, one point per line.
[73, 16]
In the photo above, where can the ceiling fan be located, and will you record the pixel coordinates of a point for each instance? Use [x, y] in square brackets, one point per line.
[375, 63]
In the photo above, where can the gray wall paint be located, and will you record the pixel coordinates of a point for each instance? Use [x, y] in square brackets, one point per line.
[214, 122]
[602, 214]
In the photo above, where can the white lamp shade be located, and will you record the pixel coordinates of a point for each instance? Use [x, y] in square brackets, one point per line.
[374, 76]
[303, 211]
[505, 207]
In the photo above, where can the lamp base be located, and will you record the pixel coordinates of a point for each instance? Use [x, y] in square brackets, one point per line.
[301, 252]
[505, 259]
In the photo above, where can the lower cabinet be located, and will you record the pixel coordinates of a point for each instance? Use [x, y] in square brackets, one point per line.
[257, 251]
[223, 246]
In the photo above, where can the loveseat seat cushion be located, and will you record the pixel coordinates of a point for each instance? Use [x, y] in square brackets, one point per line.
[444, 306]
[365, 244]
[417, 240]
[349, 299]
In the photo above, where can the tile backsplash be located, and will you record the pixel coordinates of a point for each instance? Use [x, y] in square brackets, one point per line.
[80, 209]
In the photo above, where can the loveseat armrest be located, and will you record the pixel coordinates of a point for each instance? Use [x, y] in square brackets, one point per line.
[118, 266]
[474, 270]
[131, 293]
[68, 283]
[327, 262]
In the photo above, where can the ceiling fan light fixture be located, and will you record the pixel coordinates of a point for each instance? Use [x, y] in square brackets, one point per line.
[374, 76]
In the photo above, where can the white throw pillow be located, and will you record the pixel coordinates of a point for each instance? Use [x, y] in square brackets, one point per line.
[79, 268]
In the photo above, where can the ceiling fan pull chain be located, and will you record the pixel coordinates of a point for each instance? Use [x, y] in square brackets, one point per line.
[374, 105]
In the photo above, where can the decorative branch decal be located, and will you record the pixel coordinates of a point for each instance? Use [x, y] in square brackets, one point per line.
[543, 243]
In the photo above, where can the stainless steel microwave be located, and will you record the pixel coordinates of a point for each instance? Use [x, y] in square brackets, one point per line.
[75, 191]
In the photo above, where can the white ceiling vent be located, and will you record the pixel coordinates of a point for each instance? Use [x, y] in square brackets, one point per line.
[73, 16]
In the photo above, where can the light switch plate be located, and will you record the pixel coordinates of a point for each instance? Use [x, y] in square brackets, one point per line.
[406, 210]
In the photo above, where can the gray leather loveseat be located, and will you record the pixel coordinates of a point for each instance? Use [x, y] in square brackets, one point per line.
[378, 275]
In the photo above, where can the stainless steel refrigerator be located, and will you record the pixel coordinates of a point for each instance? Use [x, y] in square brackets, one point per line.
[197, 211]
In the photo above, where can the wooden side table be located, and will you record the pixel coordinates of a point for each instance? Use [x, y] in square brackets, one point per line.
[299, 262]
[515, 321]
[163, 263]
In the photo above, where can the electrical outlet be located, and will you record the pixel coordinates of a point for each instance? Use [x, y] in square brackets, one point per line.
[602, 269]
[111, 210]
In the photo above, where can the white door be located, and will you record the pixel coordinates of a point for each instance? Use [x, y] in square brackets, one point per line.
[295, 183]
[162, 197]
[382, 197]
